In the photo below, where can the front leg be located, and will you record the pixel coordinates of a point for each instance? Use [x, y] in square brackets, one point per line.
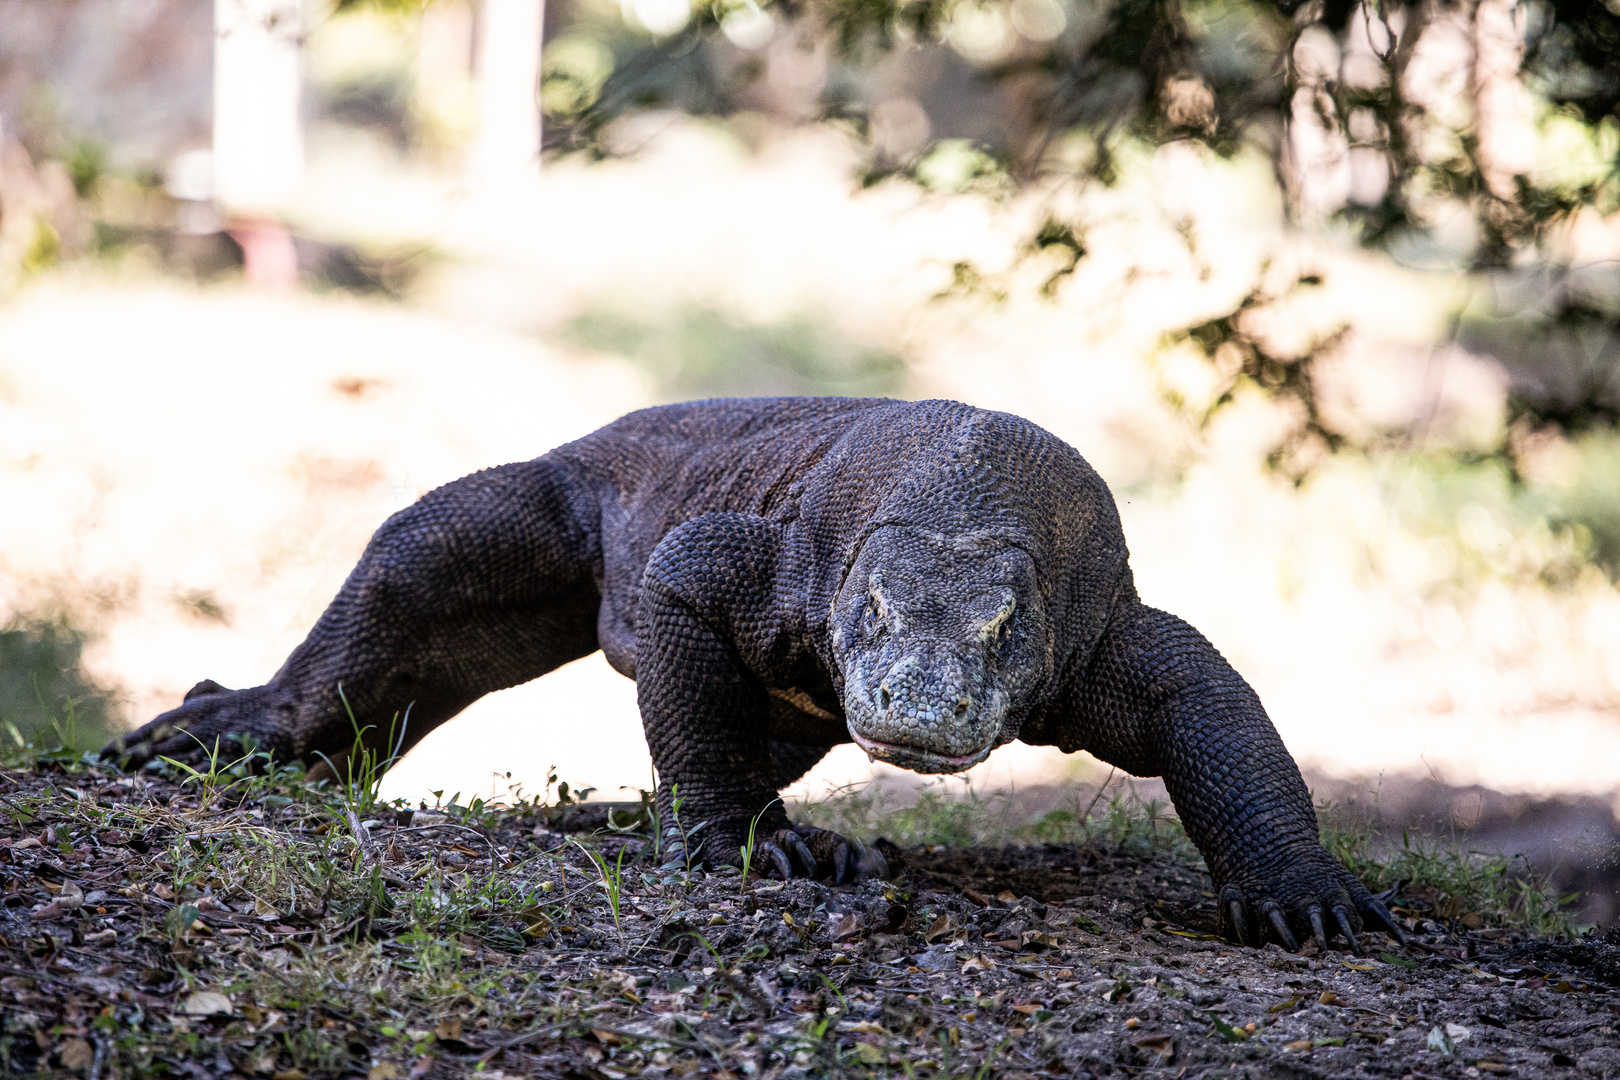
[482, 584]
[1157, 698]
[712, 624]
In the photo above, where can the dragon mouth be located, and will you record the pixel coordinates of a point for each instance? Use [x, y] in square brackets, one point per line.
[916, 758]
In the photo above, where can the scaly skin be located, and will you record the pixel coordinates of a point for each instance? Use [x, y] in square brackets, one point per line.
[926, 579]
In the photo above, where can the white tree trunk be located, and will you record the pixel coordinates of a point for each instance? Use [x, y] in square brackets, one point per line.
[509, 39]
[258, 136]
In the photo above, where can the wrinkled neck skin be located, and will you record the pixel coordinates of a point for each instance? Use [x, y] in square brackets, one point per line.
[942, 644]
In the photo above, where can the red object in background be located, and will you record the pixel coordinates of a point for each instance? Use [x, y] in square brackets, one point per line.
[269, 260]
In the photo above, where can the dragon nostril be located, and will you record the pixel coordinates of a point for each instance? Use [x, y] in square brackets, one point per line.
[883, 697]
[963, 704]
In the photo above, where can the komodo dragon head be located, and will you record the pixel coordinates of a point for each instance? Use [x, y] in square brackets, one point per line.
[940, 639]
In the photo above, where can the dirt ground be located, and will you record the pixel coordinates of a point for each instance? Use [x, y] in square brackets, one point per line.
[235, 927]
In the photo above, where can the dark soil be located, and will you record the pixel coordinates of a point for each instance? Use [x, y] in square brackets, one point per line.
[485, 943]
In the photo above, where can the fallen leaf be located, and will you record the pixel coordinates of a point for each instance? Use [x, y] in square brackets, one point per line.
[49, 912]
[938, 928]
[289, 1074]
[1457, 1032]
[1035, 940]
[207, 1003]
[868, 1054]
[162, 891]
[1298, 1044]
[1328, 998]
[75, 1054]
[264, 911]
[1158, 1043]
[1284, 1006]
[422, 1066]
[179, 920]
[977, 897]
[1027, 1010]
[977, 962]
[1006, 896]
[1440, 1042]
[606, 1037]
[383, 1070]
[1490, 1066]
[849, 926]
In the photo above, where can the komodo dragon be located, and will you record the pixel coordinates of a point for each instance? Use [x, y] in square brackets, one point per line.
[780, 575]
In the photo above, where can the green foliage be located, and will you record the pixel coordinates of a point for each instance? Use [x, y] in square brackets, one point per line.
[86, 161]
[1475, 522]
[46, 698]
[612, 878]
[702, 353]
[360, 771]
[1244, 360]
[747, 849]
[1463, 882]
[213, 780]
[1586, 498]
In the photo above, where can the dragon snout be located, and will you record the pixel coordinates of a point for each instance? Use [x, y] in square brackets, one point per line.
[927, 714]
[886, 696]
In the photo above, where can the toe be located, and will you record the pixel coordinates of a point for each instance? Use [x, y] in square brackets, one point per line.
[807, 858]
[1375, 913]
[1318, 932]
[779, 860]
[1279, 925]
[840, 862]
[1342, 917]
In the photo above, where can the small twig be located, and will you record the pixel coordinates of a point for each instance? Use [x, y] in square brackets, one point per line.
[368, 850]
[527, 1037]
[1085, 817]
[646, 1036]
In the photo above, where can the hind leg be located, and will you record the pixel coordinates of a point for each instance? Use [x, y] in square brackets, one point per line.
[482, 584]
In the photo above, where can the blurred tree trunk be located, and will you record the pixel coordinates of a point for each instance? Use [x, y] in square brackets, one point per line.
[258, 134]
[509, 41]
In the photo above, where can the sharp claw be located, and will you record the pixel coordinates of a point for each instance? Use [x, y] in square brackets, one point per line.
[1317, 932]
[1382, 914]
[779, 860]
[1240, 925]
[1343, 919]
[840, 863]
[808, 857]
[1280, 925]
